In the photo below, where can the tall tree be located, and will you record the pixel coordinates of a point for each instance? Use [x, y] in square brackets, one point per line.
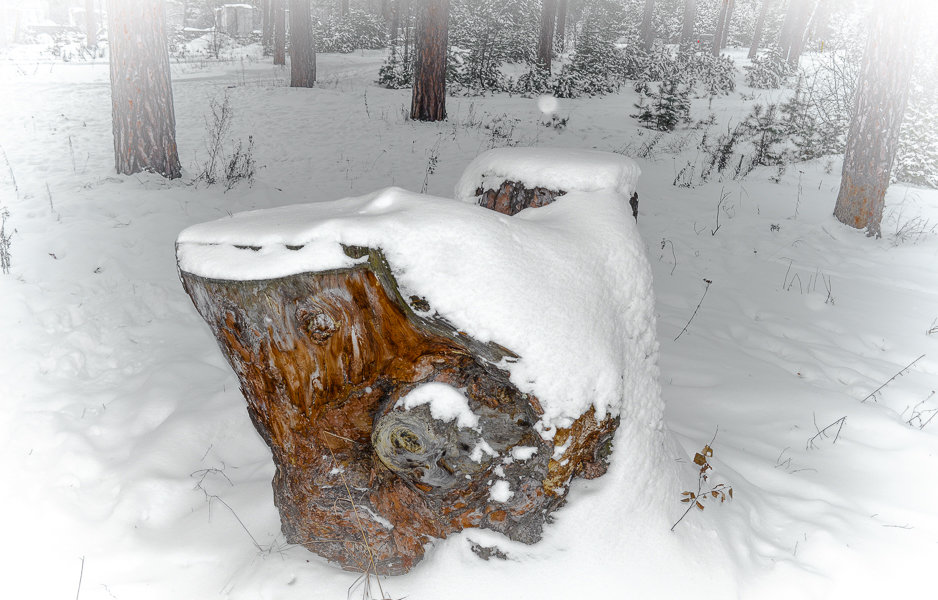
[648, 28]
[690, 18]
[799, 31]
[726, 23]
[718, 34]
[302, 49]
[142, 116]
[760, 26]
[267, 29]
[280, 32]
[91, 24]
[428, 102]
[873, 138]
[545, 41]
[559, 36]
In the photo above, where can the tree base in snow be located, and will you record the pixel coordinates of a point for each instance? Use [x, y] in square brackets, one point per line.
[327, 361]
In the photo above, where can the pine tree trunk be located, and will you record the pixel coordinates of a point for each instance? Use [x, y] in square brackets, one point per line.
[690, 18]
[799, 33]
[726, 23]
[545, 41]
[267, 36]
[91, 24]
[560, 35]
[873, 138]
[648, 29]
[788, 26]
[760, 25]
[280, 32]
[302, 51]
[143, 120]
[428, 102]
[718, 34]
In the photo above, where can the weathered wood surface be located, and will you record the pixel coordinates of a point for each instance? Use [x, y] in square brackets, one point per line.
[323, 358]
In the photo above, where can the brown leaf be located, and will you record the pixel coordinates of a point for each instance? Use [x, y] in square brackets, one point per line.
[708, 450]
[700, 459]
[731, 492]
[714, 494]
[700, 506]
[686, 499]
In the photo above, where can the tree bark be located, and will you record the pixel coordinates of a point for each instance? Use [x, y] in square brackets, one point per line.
[323, 359]
[143, 120]
[545, 41]
[726, 23]
[428, 102]
[760, 25]
[560, 34]
[690, 18]
[648, 29]
[718, 34]
[799, 33]
[280, 32]
[873, 138]
[302, 50]
[267, 35]
[91, 25]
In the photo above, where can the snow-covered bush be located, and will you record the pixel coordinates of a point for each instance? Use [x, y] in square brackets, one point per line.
[596, 65]
[484, 35]
[768, 70]
[717, 75]
[766, 132]
[397, 71]
[346, 33]
[664, 107]
[917, 157]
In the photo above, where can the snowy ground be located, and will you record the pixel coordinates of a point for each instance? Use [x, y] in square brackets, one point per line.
[130, 468]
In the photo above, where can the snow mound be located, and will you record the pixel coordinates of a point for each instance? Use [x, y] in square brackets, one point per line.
[566, 287]
[551, 168]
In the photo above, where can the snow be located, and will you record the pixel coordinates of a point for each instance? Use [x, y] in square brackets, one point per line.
[552, 168]
[123, 432]
[446, 403]
[580, 261]
[500, 491]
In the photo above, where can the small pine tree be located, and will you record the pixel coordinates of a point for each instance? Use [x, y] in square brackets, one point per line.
[799, 123]
[668, 106]
[765, 130]
[917, 158]
[768, 70]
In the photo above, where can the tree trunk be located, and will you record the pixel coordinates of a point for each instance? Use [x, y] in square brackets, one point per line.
[302, 51]
[323, 359]
[280, 32]
[545, 41]
[873, 138]
[786, 35]
[690, 18]
[718, 34]
[560, 34]
[648, 28]
[91, 24]
[726, 23]
[820, 22]
[799, 33]
[760, 25]
[428, 102]
[267, 36]
[143, 120]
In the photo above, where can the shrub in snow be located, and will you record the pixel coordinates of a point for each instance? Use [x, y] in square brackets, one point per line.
[768, 70]
[484, 35]
[346, 33]
[917, 157]
[766, 132]
[397, 71]
[5, 240]
[665, 107]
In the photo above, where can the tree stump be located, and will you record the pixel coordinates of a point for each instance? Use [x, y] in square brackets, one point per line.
[388, 427]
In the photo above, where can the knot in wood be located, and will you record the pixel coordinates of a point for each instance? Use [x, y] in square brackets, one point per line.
[416, 447]
[316, 323]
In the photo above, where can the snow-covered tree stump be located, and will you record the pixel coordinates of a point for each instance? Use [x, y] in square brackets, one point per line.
[389, 425]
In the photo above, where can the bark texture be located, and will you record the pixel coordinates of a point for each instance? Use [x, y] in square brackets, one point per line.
[873, 138]
[718, 33]
[512, 197]
[280, 32]
[323, 358]
[760, 26]
[428, 102]
[648, 29]
[560, 34]
[690, 17]
[143, 120]
[302, 49]
[545, 41]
